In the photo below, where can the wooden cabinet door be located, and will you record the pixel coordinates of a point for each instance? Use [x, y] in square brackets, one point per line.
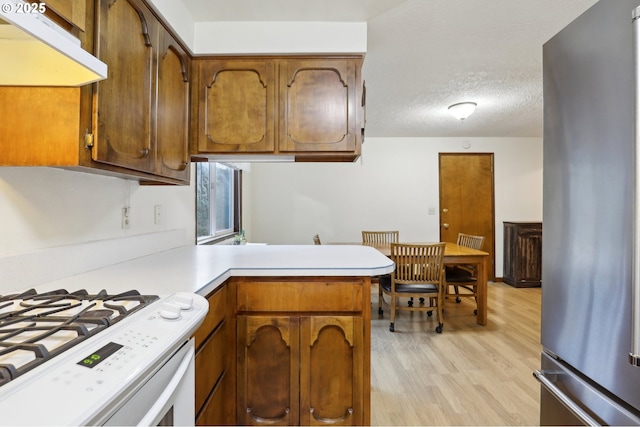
[236, 106]
[267, 370]
[127, 42]
[211, 368]
[318, 109]
[213, 412]
[331, 345]
[172, 119]
[215, 342]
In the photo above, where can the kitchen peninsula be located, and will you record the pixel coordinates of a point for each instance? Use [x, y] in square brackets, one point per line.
[287, 336]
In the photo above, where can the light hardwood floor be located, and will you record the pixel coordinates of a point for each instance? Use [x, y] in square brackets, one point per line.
[469, 374]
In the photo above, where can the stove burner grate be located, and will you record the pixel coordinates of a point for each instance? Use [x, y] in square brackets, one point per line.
[35, 327]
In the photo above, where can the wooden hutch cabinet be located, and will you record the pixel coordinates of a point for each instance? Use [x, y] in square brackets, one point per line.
[310, 107]
[133, 124]
[522, 254]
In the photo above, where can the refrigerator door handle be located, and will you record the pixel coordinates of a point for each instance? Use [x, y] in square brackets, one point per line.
[634, 355]
[581, 414]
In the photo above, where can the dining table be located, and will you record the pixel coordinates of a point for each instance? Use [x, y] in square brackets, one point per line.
[455, 254]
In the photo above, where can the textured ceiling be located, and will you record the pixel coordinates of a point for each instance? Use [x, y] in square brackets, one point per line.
[424, 55]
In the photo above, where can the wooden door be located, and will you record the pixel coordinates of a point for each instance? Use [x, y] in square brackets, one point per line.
[236, 106]
[331, 370]
[268, 370]
[318, 109]
[467, 199]
[172, 120]
[127, 43]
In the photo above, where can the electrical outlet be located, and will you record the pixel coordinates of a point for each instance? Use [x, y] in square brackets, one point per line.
[126, 221]
[157, 214]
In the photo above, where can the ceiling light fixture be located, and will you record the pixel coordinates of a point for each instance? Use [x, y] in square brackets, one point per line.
[462, 110]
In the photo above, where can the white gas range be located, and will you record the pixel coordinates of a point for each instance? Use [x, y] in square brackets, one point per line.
[76, 358]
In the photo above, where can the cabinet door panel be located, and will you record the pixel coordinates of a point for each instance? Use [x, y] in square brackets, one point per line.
[173, 110]
[335, 345]
[217, 313]
[268, 375]
[126, 43]
[237, 106]
[213, 412]
[210, 365]
[318, 106]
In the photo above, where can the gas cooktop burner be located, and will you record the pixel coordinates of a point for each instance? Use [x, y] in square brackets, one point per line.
[36, 327]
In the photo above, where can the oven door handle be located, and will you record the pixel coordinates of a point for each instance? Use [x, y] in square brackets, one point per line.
[157, 409]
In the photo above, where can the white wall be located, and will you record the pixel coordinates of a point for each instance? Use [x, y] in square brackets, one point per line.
[261, 37]
[55, 222]
[45, 208]
[392, 186]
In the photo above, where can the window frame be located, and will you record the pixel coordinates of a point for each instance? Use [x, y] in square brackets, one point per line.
[237, 209]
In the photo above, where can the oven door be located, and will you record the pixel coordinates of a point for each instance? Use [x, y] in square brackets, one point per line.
[166, 398]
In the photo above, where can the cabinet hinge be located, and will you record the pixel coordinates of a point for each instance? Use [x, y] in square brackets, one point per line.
[88, 140]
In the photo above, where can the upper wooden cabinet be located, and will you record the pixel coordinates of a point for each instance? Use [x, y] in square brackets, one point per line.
[236, 106]
[134, 124]
[318, 103]
[128, 43]
[172, 118]
[142, 107]
[309, 107]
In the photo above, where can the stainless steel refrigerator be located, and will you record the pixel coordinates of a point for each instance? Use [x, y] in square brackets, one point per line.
[590, 272]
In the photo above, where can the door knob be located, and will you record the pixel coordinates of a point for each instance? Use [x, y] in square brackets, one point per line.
[445, 210]
[445, 226]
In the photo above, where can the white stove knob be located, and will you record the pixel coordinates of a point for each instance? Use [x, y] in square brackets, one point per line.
[169, 311]
[183, 300]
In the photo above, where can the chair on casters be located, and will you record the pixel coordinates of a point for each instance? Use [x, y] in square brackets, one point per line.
[316, 240]
[419, 273]
[463, 278]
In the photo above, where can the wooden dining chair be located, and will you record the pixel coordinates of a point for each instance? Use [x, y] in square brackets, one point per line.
[463, 278]
[380, 238]
[418, 273]
[316, 240]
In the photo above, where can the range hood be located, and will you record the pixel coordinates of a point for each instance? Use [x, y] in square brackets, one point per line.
[34, 51]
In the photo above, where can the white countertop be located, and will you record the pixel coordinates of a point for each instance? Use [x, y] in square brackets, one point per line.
[202, 269]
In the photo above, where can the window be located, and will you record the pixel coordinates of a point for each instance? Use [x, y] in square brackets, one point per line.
[218, 201]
